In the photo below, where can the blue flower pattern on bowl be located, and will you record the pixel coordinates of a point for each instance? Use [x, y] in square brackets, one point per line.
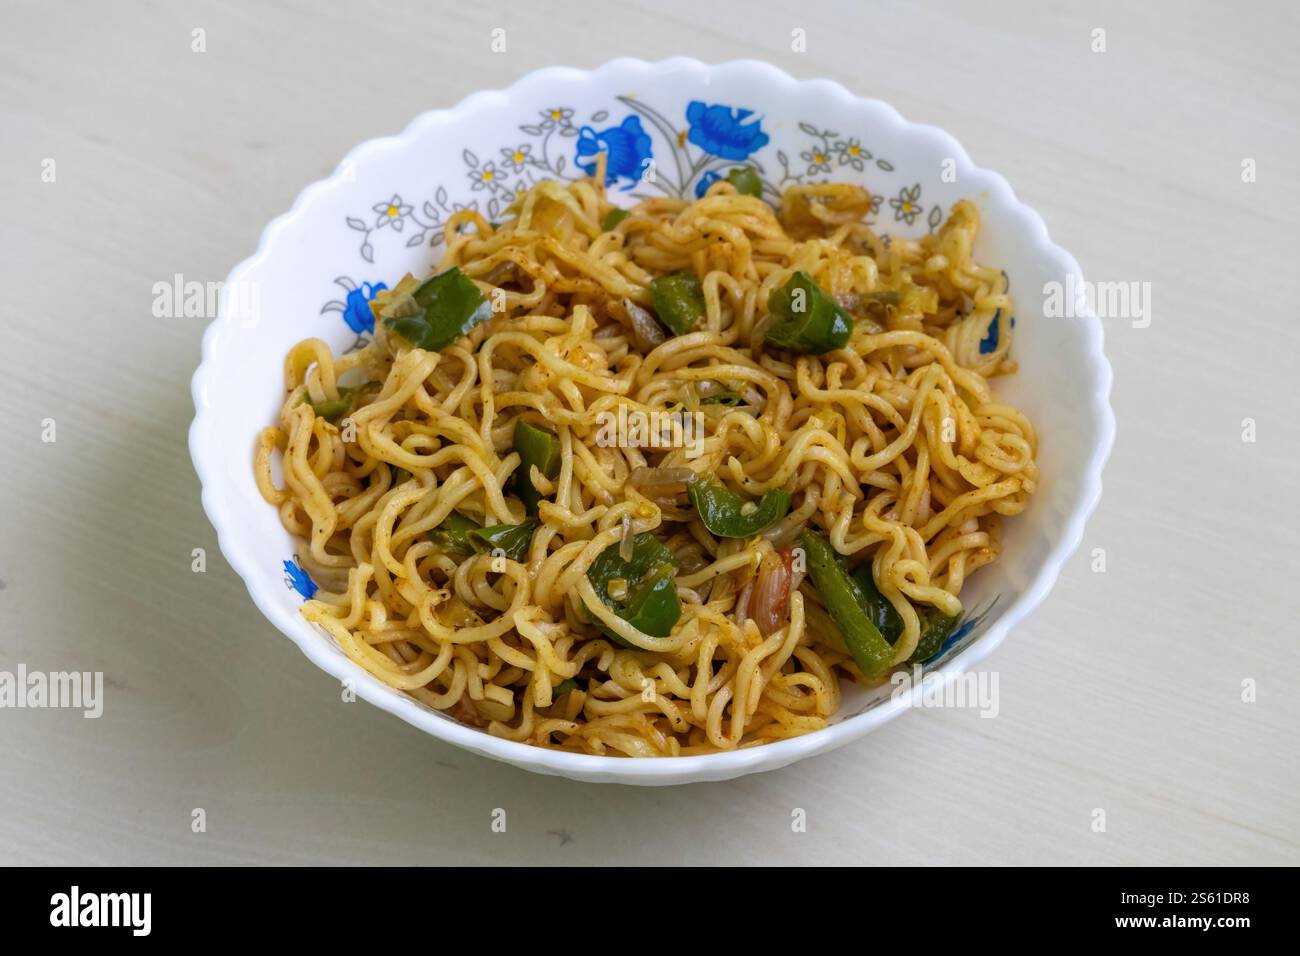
[960, 638]
[296, 579]
[723, 131]
[707, 180]
[647, 154]
[990, 341]
[626, 147]
[355, 308]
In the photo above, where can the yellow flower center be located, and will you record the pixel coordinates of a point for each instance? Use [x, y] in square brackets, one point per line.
[907, 207]
[487, 174]
[818, 157]
[855, 150]
[392, 211]
[556, 114]
[518, 157]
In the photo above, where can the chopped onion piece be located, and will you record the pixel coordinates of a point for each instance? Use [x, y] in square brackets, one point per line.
[647, 333]
[662, 481]
[771, 596]
[625, 546]
[786, 531]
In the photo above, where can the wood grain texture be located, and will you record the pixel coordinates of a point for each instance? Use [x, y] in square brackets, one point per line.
[1122, 692]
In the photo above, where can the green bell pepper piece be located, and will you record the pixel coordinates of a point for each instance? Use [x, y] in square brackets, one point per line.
[536, 446]
[722, 510]
[678, 300]
[613, 218]
[460, 537]
[452, 536]
[448, 305]
[746, 181]
[807, 319]
[513, 539]
[651, 604]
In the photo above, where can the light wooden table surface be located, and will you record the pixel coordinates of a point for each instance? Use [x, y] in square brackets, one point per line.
[1122, 692]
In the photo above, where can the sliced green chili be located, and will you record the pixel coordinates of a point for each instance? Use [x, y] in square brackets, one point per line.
[613, 218]
[452, 536]
[439, 311]
[332, 409]
[536, 446]
[936, 628]
[887, 620]
[724, 512]
[935, 625]
[678, 300]
[651, 604]
[513, 539]
[845, 602]
[746, 181]
[724, 397]
[807, 320]
[566, 686]
[460, 537]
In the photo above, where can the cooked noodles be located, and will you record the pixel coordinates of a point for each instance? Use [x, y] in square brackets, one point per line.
[536, 600]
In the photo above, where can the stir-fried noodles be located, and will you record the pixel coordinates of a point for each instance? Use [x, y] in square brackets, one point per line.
[654, 483]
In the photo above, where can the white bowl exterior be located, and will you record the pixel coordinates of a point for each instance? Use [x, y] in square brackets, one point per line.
[1063, 383]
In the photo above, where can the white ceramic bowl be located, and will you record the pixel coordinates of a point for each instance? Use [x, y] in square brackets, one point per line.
[379, 216]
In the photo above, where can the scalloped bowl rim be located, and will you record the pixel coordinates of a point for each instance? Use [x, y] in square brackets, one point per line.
[673, 770]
